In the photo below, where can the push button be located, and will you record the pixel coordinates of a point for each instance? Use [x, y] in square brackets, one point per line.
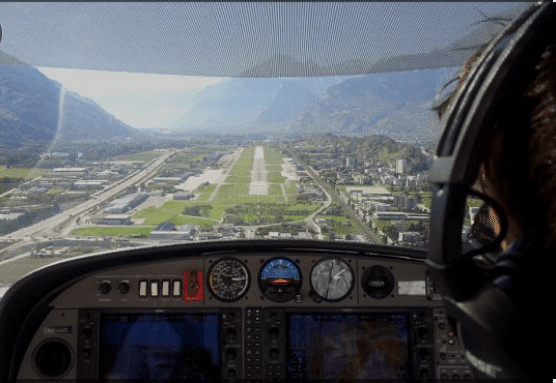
[154, 288]
[165, 288]
[143, 288]
[176, 288]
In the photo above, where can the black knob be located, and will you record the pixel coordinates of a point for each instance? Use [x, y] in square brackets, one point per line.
[230, 335]
[273, 354]
[424, 373]
[231, 353]
[86, 332]
[123, 288]
[423, 333]
[104, 288]
[273, 333]
[86, 353]
[467, 377]
[441, 326]
[231, 373]
[455, 377]
[424, 353]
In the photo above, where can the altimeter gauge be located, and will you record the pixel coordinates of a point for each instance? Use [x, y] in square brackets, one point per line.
[228, 279]
[332, 279]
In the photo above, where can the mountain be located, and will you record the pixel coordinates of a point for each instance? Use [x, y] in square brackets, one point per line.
[239, 103]
[231, 103]
[287, 102]
[30, 105]
[394, 104]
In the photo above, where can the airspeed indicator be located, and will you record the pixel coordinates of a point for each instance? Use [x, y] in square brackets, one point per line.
[228, 279]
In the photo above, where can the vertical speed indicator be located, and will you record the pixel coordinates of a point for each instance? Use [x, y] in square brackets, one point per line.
[280, 279]
[228, 279]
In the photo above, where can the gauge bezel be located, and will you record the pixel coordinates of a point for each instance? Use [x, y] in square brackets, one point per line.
[389, 286]
[262, 285]
[213, 293]
[353, 279]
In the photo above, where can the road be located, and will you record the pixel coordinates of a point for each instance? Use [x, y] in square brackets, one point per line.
[47, 227]
[373, 237]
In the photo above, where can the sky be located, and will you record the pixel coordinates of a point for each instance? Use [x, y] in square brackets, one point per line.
[143, 101]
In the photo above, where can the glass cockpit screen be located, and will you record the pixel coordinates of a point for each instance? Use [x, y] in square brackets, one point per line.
[348, 346]
[155, 347]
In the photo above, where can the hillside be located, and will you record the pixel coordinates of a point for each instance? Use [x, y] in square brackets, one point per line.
[30, 107]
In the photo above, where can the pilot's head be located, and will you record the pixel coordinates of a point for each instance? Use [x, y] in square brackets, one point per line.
[518, 155]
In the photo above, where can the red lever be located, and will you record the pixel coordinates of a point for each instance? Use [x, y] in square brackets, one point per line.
[193, 286]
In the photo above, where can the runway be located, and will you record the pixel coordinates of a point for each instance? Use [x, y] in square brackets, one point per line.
[258, 185]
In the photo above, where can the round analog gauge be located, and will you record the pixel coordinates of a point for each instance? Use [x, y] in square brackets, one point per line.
[280, 279]
[332, 279]
[228, 279]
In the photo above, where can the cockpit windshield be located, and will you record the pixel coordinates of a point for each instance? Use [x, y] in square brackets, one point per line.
[142, 124]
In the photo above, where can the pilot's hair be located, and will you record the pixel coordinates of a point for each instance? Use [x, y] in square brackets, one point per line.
[518, 149]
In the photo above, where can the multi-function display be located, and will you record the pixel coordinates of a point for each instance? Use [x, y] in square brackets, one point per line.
[160, 347]
[348, 346]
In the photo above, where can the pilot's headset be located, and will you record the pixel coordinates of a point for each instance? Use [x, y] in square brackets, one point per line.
[493, 306]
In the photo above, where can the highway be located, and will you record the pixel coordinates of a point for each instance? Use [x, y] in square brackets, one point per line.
[45, 228]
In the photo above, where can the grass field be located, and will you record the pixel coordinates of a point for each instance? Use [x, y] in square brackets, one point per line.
[155, 216]
[206, 192]
[173, 211]
[21, 172]
[55, 191]
[181, 161]
[112, 231]
[272, 157]
[244, 165]
[256, 213]
[205, 223]
[238, 179]
[275, 177]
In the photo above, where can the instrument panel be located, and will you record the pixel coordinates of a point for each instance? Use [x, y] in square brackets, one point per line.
[257, 279]
[266, 316]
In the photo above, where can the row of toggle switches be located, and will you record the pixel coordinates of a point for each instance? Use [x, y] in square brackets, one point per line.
[159, 288]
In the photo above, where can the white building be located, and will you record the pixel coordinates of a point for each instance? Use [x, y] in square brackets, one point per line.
[409, 236]
[126, 203]
[112, 219]
[400, 166]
